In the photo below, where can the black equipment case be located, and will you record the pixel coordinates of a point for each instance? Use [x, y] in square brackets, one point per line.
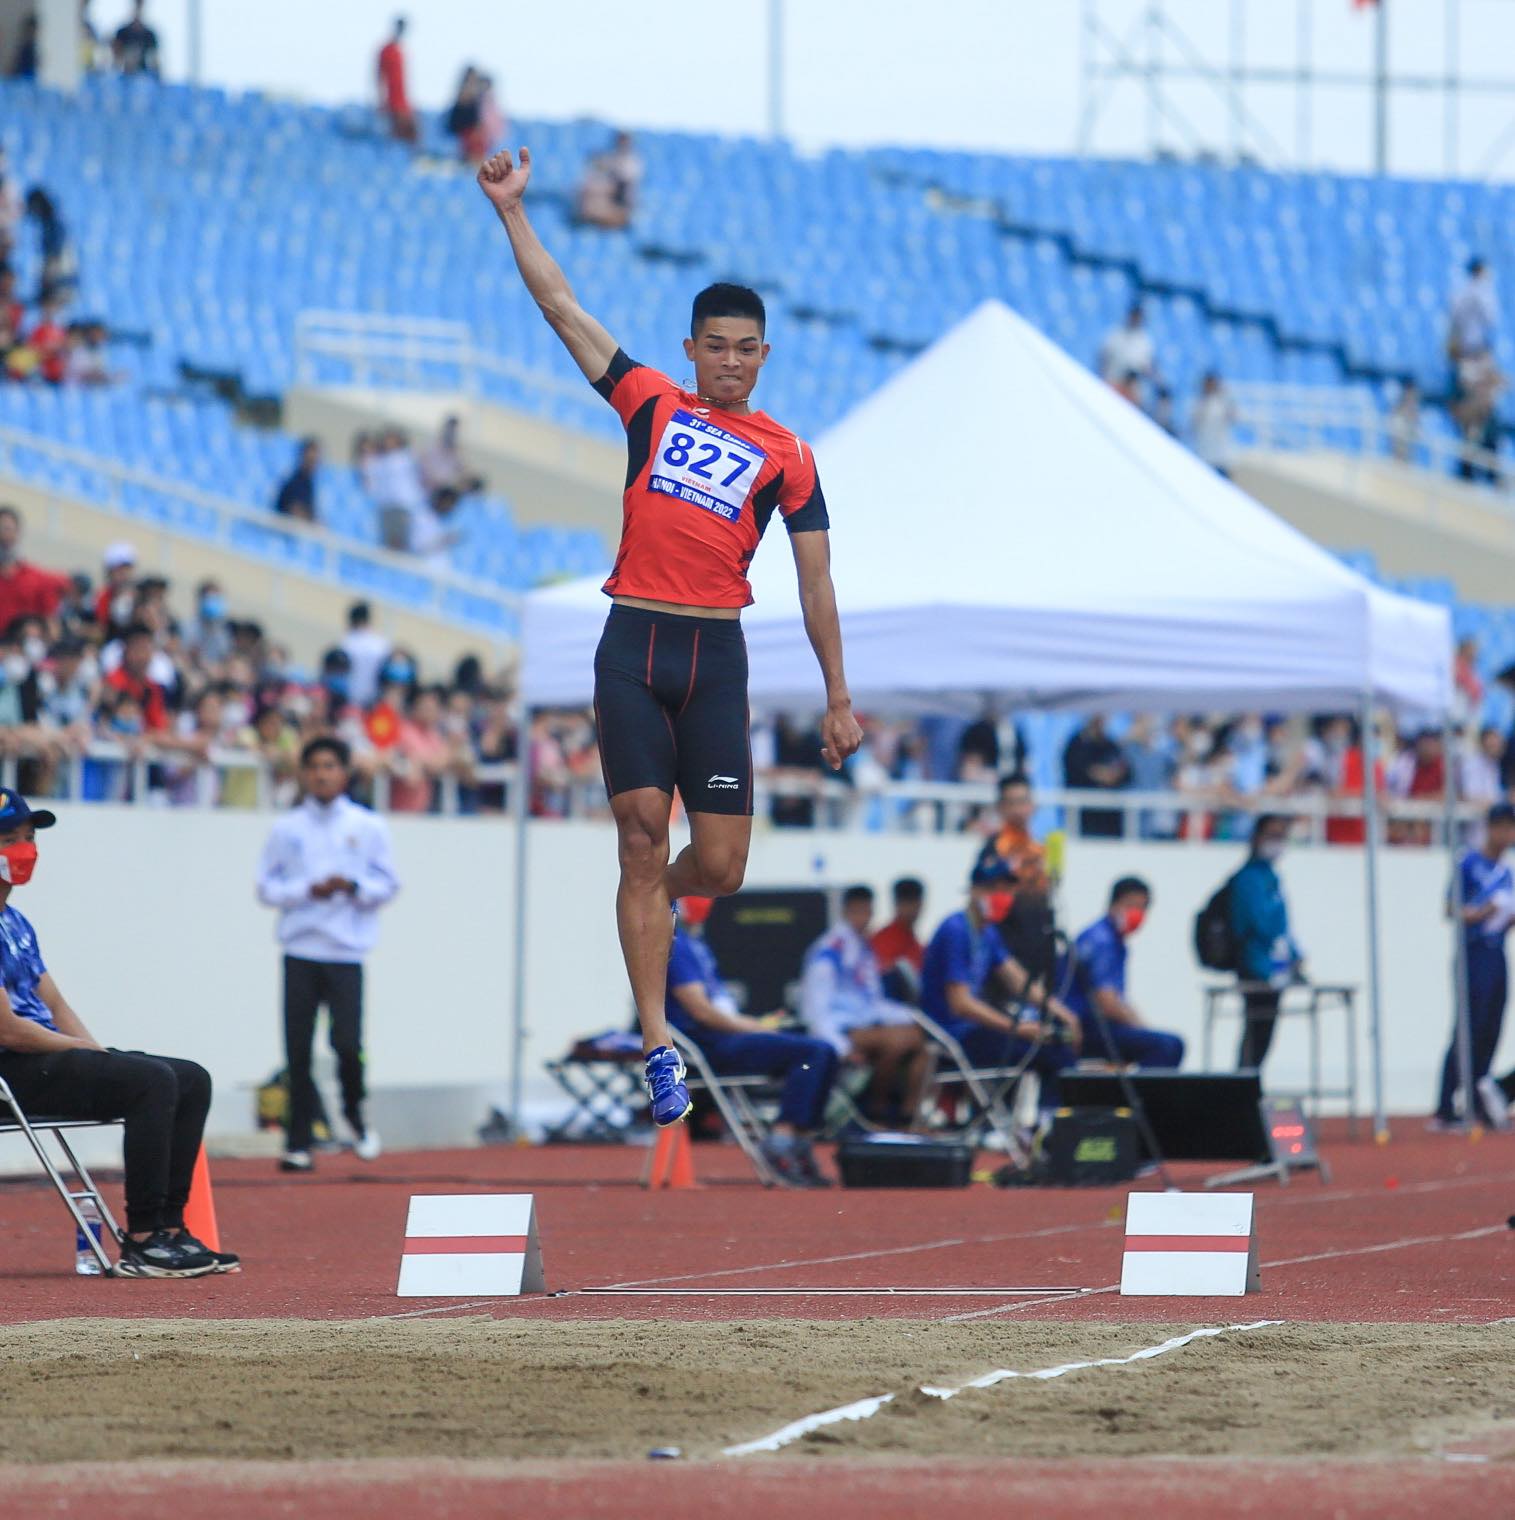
[904, 1161]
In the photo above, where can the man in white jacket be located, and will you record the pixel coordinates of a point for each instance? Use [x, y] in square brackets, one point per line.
[328, 869]
[842, 1001]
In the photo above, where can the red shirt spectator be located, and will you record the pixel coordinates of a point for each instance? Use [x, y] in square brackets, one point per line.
[50, 340]
[131, 677]
[393, 99]
[1341, 830]
[25, 590]
[896, 942]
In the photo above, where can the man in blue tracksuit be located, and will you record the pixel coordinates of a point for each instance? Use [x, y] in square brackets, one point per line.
[1487, 896]
[698, 1005]
[1266, 952]
[1096, 986]
[968, 973]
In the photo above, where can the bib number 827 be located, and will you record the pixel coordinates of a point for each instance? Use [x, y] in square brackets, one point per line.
[699, 456]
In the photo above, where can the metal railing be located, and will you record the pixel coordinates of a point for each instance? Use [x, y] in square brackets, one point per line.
[154, 775]
[1290, 418]
[420, 354]
[290, 547]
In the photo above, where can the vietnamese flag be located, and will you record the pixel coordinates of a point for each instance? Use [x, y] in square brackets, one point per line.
[383, 726]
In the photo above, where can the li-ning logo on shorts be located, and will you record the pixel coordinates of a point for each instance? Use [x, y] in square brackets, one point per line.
[721, 783]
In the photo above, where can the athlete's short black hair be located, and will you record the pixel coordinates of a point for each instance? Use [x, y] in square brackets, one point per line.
[1128, 886]
[726, 300]
[909, 889]
[856, 895]
[326, 744]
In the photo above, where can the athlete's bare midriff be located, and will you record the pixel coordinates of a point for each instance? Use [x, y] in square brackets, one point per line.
[730, 614]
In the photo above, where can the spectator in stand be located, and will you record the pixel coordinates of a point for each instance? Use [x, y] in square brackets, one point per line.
[394, 101]
[1214, 421]
[1472, 320]
[132, 679]
[209, 643]
[60, 271]
[1150, 768]
[26, 590]
[1479, 773]
[1095, 975]
[1347, 769]
[1404, 423]
[297, 494]
[49, 341]
[1418, 773]
[842, 1002]
[12, 312]
[367, 650]
[1267, 955]
[423, 754]
[117, 595]
[1467, 687]
[1094, 761]
[135, 48]
[443, 466]
[26, 59]
[796, 759]
[12, 209]
[978, 757]
[896, 948]
[608, 191]
[432, 535]
[1475, 410]
[92, 53]
[18, 695]
[475, 118]
[86, 361]
[1127, 351]
[393, 480]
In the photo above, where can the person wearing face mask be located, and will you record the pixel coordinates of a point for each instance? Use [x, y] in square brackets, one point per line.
[1266, 954]
[1095, 976]
[209, 636]
[54, 1065]
[26, 590]
[966, 974]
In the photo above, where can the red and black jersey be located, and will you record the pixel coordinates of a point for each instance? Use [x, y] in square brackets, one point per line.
[701, 484]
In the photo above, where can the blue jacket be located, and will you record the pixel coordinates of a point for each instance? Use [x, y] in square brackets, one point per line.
[1260, 922]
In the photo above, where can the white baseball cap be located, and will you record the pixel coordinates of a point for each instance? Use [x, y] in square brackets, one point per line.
[118, 555]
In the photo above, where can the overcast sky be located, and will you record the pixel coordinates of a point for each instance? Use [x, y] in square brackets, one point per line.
[977, 73]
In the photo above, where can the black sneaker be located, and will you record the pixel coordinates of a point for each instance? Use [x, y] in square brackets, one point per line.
[225, 1261]
[788, 1162]
[296, 1161]
[814, 1176]
[164, 1255]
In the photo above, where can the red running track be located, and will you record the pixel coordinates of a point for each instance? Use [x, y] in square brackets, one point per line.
[1411, 1231]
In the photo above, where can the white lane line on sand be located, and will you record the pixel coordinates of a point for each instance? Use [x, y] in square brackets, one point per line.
[864, 1409]
[1287, 1261]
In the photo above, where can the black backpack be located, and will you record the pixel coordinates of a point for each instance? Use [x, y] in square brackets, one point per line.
[1214, 939]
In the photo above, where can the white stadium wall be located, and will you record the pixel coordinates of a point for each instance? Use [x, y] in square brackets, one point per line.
[148, 920]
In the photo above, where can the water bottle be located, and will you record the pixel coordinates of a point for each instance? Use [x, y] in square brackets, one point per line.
[86, 1263]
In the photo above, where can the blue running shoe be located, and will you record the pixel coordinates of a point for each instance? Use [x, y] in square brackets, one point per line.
[665, 1086]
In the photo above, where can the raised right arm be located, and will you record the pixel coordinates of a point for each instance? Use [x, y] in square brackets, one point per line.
[504, 184]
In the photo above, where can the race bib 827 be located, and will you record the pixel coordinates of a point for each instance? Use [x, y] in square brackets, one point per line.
[705, 465]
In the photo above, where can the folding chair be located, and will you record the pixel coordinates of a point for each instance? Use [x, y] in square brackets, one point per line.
[14, 1121]
[988, 1086]
[733, 1098]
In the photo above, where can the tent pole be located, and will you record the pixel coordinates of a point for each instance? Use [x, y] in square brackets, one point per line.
[1370, 861]
[1462, 1027]
[520, 813]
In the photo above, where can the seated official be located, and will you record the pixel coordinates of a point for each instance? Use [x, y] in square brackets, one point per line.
[968, 971]
[895, 947]
[1096, 984]
[57, 1068]
[842, 1000]
[737, 1046]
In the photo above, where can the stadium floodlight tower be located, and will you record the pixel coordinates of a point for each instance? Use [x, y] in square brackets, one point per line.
[1300, 84]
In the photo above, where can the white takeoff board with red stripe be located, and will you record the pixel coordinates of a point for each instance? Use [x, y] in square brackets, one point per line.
[1196, 1245]
[474, 1245]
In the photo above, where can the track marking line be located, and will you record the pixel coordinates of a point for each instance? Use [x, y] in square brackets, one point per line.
[826, 1261]
[1062, 1290]
[482, 1303]
[864, 1409]
[1288, 1261]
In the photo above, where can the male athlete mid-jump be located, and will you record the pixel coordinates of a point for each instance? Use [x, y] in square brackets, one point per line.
[704, 474]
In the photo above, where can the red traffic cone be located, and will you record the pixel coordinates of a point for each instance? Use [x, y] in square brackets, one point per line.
[672, 1161]
[200, 1211]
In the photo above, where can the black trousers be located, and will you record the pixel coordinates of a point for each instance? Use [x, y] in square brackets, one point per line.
[307, 985]
[1259, 1015]
[163, 1100]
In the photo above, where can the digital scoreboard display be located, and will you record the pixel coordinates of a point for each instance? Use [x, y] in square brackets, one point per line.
[1290, 1133]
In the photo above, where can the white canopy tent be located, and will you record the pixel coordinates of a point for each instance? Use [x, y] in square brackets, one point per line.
[1003, 522]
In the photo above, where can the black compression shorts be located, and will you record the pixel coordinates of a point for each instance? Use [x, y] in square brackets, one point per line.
[670, 704]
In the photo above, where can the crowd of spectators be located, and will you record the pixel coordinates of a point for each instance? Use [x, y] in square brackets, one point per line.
[131, 49]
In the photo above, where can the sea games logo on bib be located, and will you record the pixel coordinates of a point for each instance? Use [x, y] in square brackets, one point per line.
[705, 466]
